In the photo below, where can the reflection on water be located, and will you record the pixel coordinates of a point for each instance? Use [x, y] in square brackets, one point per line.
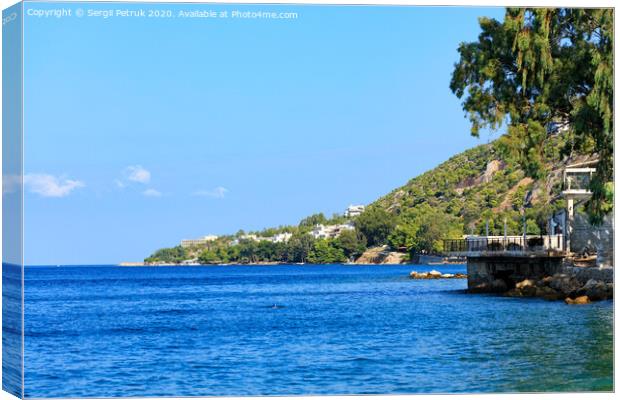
[290, 330]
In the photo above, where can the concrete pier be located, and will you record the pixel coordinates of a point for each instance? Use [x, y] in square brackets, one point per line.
[484, 272]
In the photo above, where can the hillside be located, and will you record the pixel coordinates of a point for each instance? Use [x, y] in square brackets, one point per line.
[457, 197]
[480, 184]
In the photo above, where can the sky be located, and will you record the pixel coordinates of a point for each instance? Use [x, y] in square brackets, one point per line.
[142, 131]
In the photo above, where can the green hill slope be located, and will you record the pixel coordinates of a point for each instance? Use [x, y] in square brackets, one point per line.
[460, 195]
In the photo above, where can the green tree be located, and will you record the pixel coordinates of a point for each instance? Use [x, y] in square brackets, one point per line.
[540, 71]
[352, 243]
[209, 257]
[299, 247]
[233, 253]
[324, 252]
[247, 251]
[422, 230]
[169, 255]
[313, 220]
[375, 224]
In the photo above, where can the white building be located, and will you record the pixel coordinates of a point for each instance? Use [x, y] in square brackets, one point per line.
[354, 210]
[281, 237]
[330, 231]
[278, 238]
[198, 242]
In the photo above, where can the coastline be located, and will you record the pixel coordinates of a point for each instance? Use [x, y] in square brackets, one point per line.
[276, 263]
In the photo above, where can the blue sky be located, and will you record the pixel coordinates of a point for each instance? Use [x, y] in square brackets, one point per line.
[140, 132]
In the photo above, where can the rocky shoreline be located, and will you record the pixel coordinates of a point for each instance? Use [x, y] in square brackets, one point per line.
[559, 286]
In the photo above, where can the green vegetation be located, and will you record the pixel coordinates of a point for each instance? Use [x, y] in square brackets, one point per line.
[375, 224]
[324, 252]
[459, 197]
[352, 243]
[300, 248]
[423, 229]
[544, 72]
[171, 255]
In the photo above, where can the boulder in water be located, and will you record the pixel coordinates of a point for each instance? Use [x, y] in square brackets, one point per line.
[525, 283]
[565, 284]
[595, 290]
[577, 300]
[548, 293]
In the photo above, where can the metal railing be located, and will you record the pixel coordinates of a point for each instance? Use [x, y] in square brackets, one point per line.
[531, 243]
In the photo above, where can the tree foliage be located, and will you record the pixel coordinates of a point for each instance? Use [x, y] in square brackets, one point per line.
[422, 230]
[352, 243]
[543, 72]
[168, 255]
[324, 252]
[375, 224]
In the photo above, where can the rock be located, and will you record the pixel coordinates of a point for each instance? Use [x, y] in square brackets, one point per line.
[565, 284]
[595, 290]
[548, 293]
[610, 290]
[480, 288]
[590, 284]
[544, 292]
[435, 275]
[514, 292]
[492, 167]
[380, 255]
[393, 257]
[525, 283]
[528, 291]
[577, 300]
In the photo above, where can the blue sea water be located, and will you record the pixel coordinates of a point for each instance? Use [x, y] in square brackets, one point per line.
[12, 328]
[290, 330]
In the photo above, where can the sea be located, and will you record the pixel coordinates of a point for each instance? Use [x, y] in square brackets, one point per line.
[108, 331]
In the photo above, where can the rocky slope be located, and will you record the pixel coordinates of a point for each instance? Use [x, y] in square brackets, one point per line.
[381, 255]
[480, 184]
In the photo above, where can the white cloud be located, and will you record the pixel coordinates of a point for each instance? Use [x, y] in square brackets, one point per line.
[49, 185]
[217, 193]
[136, 173]
[152, 193]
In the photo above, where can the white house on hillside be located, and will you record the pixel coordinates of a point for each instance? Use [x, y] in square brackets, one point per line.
[330, 231]
[281, 237]
[354, 210]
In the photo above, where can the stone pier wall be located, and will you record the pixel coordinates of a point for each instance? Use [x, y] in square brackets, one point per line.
[498, 274]
[595, 240]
